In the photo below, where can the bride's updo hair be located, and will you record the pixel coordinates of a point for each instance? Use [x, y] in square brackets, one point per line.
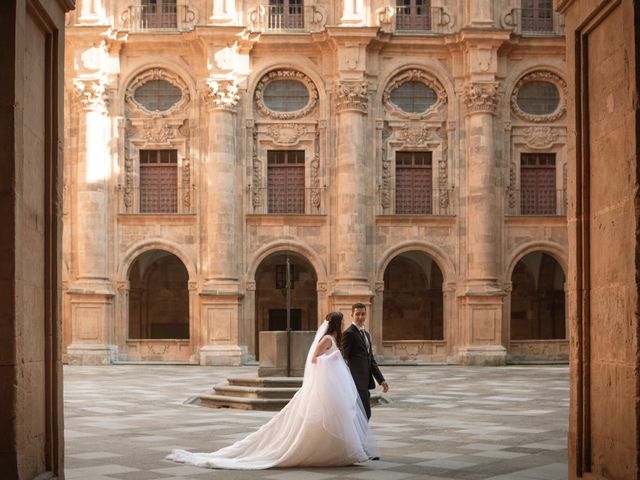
[335, 325]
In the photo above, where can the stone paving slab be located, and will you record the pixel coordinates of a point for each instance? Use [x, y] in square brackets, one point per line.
[442, 422]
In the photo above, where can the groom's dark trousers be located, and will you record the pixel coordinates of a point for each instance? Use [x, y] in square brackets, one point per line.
[359, 356]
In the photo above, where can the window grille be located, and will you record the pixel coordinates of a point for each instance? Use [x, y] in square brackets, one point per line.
[285, 95]
[158, 181]
[285, 179]
[537, 16]
[157, 95]
[413, 15]
[538, 98]
[413, 97]
[157, 14]
[413, 183]
[286, 14]
[538, 184]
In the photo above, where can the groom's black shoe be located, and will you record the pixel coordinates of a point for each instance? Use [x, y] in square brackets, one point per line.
[374, 458]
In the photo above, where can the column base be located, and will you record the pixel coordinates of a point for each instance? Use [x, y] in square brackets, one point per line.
[85, 354]
[223, 355]
[485, 356]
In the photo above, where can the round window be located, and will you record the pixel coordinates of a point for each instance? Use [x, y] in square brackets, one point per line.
[285, 95]
[157, 95]
[538, 98]
[413, 97]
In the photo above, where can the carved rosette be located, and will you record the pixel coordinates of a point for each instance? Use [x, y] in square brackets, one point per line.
[481, 97]
[541, 137]
[351, 96]
[92, 94]
[221, 95]
[286, 133]
[315, 174]
[256, 197]
[156, 74]
[541, 76]
[186, 181]
[414, 75]
[286, 74]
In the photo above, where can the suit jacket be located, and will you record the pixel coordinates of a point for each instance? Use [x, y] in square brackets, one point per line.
[360, 359]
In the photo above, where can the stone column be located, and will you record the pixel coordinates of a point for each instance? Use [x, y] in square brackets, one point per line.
[91, 292]
[220, 297]
[352, 283]
[481, 320]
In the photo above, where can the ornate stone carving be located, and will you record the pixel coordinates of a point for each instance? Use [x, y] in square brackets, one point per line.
[186, 184]
[315, 174]
[481, 97]
[511, 189]
[443, 170]
[92, 94]
[221, 94]
[414, 75]
[564, 186]
[541, 137]
[544, 76]
[416, 135]
[285, 74]
[157, 74]
[351, 96]
[256, 197]
[385, 197]
[128, 181]
[286, 133]
[155, 131]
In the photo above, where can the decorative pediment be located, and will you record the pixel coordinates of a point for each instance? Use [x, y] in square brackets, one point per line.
[286, 134]
[417, 134]
[541, 137]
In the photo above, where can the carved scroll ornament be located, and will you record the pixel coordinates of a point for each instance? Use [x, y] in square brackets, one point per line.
[351, 96]
[481, 97]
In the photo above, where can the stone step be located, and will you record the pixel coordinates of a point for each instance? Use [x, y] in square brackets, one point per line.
[228, 390]
[266, 382]
[242, 403]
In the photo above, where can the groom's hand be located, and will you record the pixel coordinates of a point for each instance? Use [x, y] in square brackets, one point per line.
[385, 387]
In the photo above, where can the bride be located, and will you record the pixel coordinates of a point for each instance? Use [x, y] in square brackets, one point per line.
[323, 425]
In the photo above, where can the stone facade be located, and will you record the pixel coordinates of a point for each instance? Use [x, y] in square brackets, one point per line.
[603, 49]
[349, 236]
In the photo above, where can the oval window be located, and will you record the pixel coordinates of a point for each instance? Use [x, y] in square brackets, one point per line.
[538, 98]
[413, 97]
[285, 95]
[157, 95]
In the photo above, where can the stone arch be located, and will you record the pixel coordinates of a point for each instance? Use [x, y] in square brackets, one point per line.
[551, 248]
[439, 256]
[282, 246]
[139, 248]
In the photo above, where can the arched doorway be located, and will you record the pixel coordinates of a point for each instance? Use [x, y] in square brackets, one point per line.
[270, 300]
[158, 309]
[538, 299]
[412, 301]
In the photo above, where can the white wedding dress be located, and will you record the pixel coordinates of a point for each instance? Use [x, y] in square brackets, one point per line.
[323, 425]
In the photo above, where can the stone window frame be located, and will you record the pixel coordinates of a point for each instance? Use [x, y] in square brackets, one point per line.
[285, 74]
[414, 75]
[542, 76]
[157, 73]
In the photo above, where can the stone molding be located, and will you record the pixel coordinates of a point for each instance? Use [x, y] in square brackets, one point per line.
[92, 94]
[541, 137]
[414, 75]
[546, 76]
[286, 74]
[256, 164]
[315, 173]
[351, 96]
[221, 95]
[286, 134]
[481, 97]
[157, 74]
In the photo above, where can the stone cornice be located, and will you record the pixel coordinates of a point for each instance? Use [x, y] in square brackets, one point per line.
[351, 96]
[481, 97]
[221, 95]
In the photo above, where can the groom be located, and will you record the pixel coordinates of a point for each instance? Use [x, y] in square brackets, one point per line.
[358, 353]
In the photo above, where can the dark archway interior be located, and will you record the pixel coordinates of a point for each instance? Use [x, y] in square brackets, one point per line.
[538, 299]
[412, 300]
[158, 297]
[271, 294]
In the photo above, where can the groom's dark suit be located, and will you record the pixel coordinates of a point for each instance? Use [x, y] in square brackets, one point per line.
[363, 366]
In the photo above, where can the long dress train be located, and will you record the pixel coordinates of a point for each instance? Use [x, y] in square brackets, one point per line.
[323, 425]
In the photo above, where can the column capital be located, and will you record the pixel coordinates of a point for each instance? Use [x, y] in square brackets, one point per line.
[92, 93]
[221, 94]
[351, 95]
[481, 97]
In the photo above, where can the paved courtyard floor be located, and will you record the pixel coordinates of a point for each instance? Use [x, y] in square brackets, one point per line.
[442, 422]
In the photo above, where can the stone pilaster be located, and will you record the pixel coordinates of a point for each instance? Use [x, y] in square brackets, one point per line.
[220, 298]
[92, 292]
[481, 319]
[351, 104]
